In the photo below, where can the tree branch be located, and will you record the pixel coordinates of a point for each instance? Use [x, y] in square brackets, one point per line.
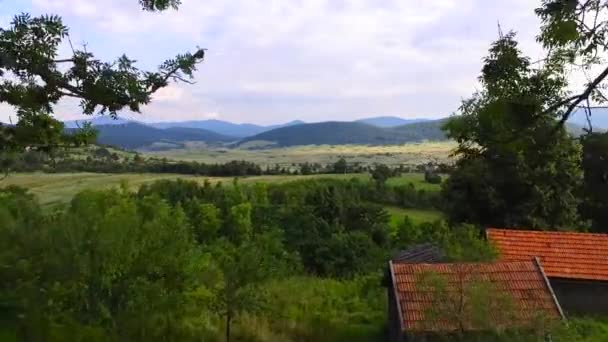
[582, 97]
[66, 60]
[68, 94]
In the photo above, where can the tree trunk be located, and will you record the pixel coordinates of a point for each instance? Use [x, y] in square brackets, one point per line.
[228, 321]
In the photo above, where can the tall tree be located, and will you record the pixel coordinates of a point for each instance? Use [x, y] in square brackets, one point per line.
[515, 168]
[595, 189]
[33, 78]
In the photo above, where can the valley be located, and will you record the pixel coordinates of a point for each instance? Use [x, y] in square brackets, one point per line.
[393, 155]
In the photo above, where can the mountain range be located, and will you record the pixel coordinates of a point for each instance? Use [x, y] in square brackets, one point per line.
[134, 135]
[340, 133]
[382, 130]
[371, 131]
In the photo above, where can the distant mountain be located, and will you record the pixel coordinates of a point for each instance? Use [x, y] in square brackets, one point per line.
[599, 118]
[225, 127]
[424, 130]
[97, 121]
[389, 121]
[133, 135]
[338, 133]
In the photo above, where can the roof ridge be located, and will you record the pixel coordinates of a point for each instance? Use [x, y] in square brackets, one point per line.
[544, 232]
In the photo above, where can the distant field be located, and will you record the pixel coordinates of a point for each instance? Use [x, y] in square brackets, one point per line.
[407, 154]
[416, 215]
[52, 188]
[415, 178]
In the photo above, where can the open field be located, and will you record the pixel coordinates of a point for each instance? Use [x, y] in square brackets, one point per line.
[394, 155]
[52, 188]
[416, 215]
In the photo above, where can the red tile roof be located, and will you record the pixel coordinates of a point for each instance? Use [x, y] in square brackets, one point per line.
[521, 284]
[562, 254]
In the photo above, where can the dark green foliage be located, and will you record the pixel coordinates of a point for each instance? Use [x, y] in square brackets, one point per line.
[341, 166]
[594, 206]
[432, 177]
[426, 130]
[380, 174]
[107, 263]
[40, 78]
[517, 167]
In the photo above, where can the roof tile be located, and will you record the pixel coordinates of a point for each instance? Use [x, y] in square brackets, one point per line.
[562, 254]
[521, 282]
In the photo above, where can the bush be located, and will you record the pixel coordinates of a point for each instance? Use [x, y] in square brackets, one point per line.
[432, 177]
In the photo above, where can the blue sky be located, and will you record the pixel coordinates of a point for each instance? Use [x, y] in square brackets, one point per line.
[272, 61]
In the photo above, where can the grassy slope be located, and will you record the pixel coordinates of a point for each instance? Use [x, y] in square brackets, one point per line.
[61, 187]
[416, 215]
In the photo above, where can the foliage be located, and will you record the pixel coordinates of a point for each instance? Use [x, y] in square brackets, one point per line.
[380, 174]
[107, 263]
[595, 188]
[576, 32]
[243, 268]
[432, 177]
[516, 168]
[35, 78]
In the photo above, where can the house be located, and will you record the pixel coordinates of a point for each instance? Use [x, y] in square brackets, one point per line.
[431, 301]
[575, 263]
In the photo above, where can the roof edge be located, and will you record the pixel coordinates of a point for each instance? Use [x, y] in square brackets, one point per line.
[396, 295]
[548, 283]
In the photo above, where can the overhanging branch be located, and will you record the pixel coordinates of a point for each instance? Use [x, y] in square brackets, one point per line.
[574, 101]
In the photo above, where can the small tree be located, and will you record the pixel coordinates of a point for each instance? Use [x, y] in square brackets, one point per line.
[341, 166]
[242, 268]
[432, 177]
[380, 174]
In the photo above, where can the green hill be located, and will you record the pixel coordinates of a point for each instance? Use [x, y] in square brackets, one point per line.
[340, 133]
[134, 135]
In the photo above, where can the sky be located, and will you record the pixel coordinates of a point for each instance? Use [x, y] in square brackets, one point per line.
[273, 61]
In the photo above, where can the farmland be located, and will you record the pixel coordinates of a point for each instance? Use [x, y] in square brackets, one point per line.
[61, 187]
[395, 155]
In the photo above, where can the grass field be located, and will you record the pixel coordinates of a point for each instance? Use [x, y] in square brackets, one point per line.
[52, 188]
[407, 154]
[416, 215]
[57, 188]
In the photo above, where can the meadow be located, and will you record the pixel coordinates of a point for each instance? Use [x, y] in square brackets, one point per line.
[394, 155]
[59, 188]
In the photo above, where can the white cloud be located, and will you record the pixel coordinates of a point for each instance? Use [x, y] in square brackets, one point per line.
[172, 93]
[276, 60]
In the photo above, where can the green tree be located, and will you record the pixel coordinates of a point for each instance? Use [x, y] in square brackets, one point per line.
[340, 166]
[517, 167]
[380, 174]
[239, 222]
[576, 32]
[206, 221]
[109, 263]
[29, 50]
[595, 187]
[242, 269]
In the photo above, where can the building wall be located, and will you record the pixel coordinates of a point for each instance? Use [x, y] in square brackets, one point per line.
[581, 297]
[394, 326]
